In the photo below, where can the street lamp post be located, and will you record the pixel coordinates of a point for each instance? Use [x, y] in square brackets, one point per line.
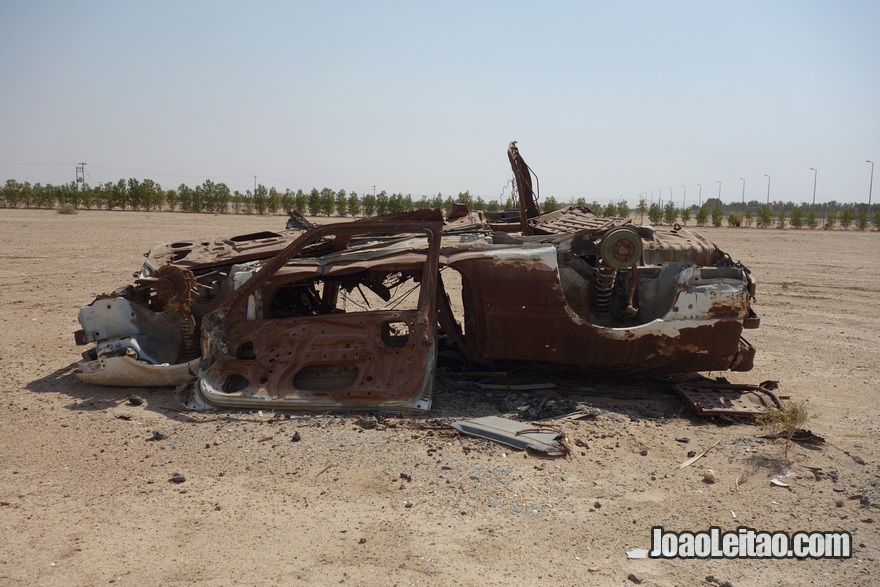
[871, 185]
[683, 197]
[815, 175]
[744, 196]
[700, 205]
[718, 181]
[768, 188]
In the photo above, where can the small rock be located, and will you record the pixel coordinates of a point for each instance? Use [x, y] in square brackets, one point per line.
[859, 460]
[407, 504]
[135, 400]
[593, 569]
[177, 478]
[838, 503]
[709, 476]
[362, 541]
[597, 505]
[406, 477]
[368, 422]
[123, 417]
[683, 440]
[633, 578]
[839, 488]
[157, 436]
[296, 437]
[692, 454]
[644, 452]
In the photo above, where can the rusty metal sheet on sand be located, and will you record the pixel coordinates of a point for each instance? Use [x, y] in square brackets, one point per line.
[727, 399]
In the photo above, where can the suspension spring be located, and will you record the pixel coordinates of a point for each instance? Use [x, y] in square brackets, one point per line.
[605, 278]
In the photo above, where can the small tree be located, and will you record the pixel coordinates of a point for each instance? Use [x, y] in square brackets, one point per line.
[876, 220]
[765, 217]
[314, 202]
[780, 219]
[369, 204]
[550, 204]
[669, 213]
[830, 220]
[685, 215]
[610, 210]
[702, 216]
[642, 208]
[354, 204]
[797, 218]
[749, 218]
[717, 216]
[341, 203]
[655, 214]
[812, 219]
[846, 218]
[623, 209]
[382, 202]
[301, 202]
[734, 220]
[862, 221]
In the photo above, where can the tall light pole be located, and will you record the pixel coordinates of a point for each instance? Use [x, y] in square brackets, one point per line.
[870, 186]
[701, 195]
[815, 175]
[683, 196]
[660, 197]
[718, 181]
[255, 186]
[652, 197]
[744, 195]
[768, 188]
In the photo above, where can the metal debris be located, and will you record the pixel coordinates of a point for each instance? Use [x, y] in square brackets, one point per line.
[515, 434]
[727, 399]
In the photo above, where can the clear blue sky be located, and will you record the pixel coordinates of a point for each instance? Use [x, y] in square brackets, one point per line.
[606, 99]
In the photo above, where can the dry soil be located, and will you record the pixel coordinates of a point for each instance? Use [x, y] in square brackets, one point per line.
[87, 497]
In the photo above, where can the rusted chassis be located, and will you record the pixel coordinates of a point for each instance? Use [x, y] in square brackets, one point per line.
[518, 312]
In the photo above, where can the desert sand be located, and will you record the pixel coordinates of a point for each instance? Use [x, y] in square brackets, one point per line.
[87, 498]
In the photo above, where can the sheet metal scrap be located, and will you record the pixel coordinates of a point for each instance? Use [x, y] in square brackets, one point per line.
[727, 399]
[519, 435]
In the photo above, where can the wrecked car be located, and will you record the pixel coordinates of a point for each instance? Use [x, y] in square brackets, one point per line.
[356, 315]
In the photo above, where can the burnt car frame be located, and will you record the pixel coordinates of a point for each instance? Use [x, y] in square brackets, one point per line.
[351, 315]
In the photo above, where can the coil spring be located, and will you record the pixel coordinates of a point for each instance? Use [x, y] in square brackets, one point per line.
[605, 278]
[190, 344]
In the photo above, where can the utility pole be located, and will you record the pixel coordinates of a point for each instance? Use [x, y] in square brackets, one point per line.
[81, 176]
[374, 191]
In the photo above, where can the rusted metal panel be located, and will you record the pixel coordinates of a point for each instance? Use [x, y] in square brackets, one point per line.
[535, 322]
[727, 399]
[326, 360]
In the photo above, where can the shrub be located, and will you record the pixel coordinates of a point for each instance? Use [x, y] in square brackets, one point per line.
[66, 209]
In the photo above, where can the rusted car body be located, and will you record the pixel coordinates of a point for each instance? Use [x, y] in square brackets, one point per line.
[351, 315]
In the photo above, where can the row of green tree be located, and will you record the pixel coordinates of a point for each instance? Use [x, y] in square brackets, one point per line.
[211, 197]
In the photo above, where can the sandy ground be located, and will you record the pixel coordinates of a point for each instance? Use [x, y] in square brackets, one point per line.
[86, 497]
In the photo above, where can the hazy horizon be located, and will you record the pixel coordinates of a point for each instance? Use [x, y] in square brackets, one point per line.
[607, 100]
